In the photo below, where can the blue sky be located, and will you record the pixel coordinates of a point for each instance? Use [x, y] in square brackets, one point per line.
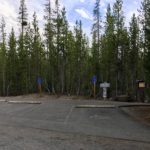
[76, 10]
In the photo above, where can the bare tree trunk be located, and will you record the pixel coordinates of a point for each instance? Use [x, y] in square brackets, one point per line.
[62, 78]
[4, 81]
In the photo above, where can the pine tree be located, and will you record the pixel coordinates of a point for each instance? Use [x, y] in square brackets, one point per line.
[37, 53]
[119, 27]
[108, 43]
[49, 41]
[97, 25]
[80, 55]
[3, 51]
[134, 53]
[28, 46]
[22, 20]
[22, 52]
[12, 63]
[63, 48]
[96, 41]
[145, 52]
[146, 27]
[70, 63]
[23, 15]
[57, 42]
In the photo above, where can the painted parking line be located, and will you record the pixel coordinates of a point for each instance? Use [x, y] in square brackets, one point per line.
[68, 115]
[133, 105]
[24, 102]
[95, 106]
[3, 100]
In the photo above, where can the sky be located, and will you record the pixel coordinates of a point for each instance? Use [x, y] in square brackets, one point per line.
[76, 10]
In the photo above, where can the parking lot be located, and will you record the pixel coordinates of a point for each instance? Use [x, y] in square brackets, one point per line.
[67, 124]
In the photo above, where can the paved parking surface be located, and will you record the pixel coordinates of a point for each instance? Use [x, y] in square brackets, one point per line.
[60, 125]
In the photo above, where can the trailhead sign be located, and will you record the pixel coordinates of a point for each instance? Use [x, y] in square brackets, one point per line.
[105, 85]
[94, 79]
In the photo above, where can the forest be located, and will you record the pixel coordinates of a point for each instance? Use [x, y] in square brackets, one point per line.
[65, 60]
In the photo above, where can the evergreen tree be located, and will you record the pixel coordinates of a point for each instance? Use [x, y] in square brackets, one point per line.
[22, 52]
[28, 46]
[37, 53]
[49, 41]
[22, 67]
[23, 15]
[146, 27]
[63, 48]
[133, 64]
[119, 51]
[66, 64]
[96, 40]
[110, 45]
[80, 55]
[108, 58]
[3, 51]
[57, 42]
[145, 49]
[97, 25]
[70, 63]
[12, 63]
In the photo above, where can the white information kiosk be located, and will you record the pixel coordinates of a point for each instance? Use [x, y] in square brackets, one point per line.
[105, 85]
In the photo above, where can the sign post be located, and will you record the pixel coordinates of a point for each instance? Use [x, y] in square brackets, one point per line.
[105, 85]
[104, 93]
[94, 89]
[39, 82]
[141, 85]
[94, 80]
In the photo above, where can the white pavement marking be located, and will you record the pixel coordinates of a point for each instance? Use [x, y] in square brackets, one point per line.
[68, 115]
[24, 102]
[99, 117]
[95, 106]
[3, 100]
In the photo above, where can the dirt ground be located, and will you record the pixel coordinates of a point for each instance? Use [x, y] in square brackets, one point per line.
[140, 113]
[44, 96]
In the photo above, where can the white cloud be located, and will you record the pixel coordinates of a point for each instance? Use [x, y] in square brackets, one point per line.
[9, 13]
[103, 4]
[129, 10]
[129, 16]
[69, 4]
[135, 2]
[84, 13]
[82, 1]
[71, 25]
[9, 10]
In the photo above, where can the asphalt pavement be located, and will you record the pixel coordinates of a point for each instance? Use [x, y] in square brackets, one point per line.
[61, 125]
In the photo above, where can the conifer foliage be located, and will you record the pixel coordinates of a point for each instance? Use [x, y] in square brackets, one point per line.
[64, 60]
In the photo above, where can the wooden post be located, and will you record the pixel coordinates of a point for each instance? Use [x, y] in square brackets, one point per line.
[39, 82]
[94, 89]
[40, 90]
